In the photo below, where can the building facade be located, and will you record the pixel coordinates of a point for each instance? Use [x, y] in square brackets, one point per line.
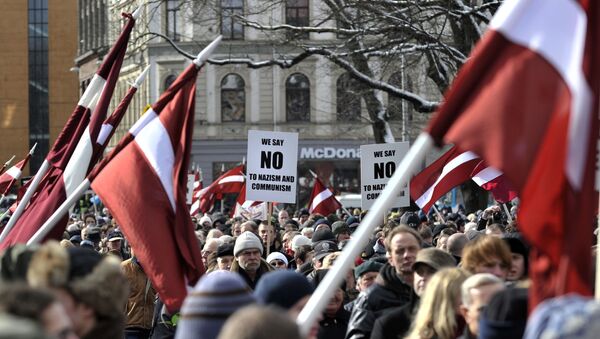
[314, 98]
[38, 88]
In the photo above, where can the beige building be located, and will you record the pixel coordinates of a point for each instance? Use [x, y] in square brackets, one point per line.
[38, 88]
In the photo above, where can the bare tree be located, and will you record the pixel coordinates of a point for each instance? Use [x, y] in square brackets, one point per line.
[370, 39]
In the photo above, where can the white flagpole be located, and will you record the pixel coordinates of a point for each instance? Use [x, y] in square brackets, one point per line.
[438, 213]
[510, 219]
[319, 299]
[59, 213]
[26, 197]
[6, 164]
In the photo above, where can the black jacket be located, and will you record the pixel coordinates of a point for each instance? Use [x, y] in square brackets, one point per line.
[388, 291]
[396, 322]
[334, 328]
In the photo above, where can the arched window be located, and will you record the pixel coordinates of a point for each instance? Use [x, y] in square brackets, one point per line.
[348, 98]
[168, 81]
[233, 98]
[394, 103]
[297, 98]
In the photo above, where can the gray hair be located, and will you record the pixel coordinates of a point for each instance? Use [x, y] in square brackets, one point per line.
[476, 281]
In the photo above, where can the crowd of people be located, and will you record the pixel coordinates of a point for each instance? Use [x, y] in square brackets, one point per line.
[446, 275]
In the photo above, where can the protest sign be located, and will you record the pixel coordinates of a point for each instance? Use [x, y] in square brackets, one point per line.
[272, 166]
[378, 163]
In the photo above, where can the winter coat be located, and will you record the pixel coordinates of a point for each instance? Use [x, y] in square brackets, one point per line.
[396, 322]
[388, 291]
[334, 328]
[140, 304]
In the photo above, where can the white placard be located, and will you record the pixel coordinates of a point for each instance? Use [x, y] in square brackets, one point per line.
[378, 163]
[272, 166]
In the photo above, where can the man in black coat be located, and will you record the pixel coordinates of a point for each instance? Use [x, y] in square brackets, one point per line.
[393, 286]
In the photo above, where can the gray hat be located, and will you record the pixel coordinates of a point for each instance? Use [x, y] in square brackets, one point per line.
[246, 241]
[434, 258]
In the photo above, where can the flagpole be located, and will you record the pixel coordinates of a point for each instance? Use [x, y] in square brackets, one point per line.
[323, 293]
[597, 287]
[26, 197]
[59, 213]
[6, 164]
[269, 212]
[510, 219]
[438, 213]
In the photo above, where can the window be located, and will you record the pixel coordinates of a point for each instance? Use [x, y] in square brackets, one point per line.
[38, 81]
[348, 98]
[168, 81]
[231, 27]
[296, 14]
[171, 19]
[395, 104]
[233, 99]
[297, 98]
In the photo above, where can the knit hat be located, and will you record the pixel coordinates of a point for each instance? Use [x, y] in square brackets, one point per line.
[434, 258]
[367, 266]
[204, 219]
[206, 308]
[246, 241]
[321, 235]
[340, 227]
[224, 250]
[505, 315]
[321, 221]
[299, 240]
[277, 256]
[283, 288]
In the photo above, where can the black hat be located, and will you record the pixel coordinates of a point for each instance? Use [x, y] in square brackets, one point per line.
[340, 227]
[322, 235]
[505, 315]
[94, 234]
[367, 266]
[410, 219]
[225, 250]
[323, 248]
[76, 239]
[320, 275]
[303, 211]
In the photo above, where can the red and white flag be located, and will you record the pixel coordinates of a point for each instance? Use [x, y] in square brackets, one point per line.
[249, 209]
[229, 182]
[322, 200]
[149, 168]
[452, 169]
[8, 178]
[527, 103]
[75, 151]
[492, 180]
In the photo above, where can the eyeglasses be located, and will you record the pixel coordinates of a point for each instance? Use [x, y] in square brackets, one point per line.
[277, 263]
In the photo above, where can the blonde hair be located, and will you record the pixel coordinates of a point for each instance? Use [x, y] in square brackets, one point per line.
[436, 316]
[330, 259]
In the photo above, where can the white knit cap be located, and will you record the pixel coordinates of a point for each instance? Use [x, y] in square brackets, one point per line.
[205, 219]
[246, 241]
[278, 256]
[299, 240]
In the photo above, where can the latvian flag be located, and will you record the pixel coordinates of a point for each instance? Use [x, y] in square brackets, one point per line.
[149, 168]
[322, 200]
[450, 170]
